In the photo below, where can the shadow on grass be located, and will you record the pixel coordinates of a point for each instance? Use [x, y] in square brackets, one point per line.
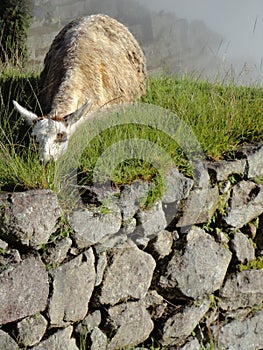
[23, 88]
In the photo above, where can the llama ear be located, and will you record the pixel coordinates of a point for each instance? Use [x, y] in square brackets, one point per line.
[29, 116]
[72, 118]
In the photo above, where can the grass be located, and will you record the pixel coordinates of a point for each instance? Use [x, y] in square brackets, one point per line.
[218, 117]
[221, 116]
[255, 264]
[19, 165]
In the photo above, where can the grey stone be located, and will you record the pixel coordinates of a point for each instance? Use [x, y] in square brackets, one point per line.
[73, 284]
[242, 289]
[251, 229]
[10, 257]
[24, 290]
[74, 251]
[150, 223]
[242, 193]
[246, 204]
[224, 188]
[102, 192]
[128, 276]
[241, 334]
[14, 255]
[55, 254]
[162, 244]
[156, 303]
[98, 340]
[199, 269]
[110, 242]
[133, 324]
[152, 220]
[93, 224]
[90, 322]
[172, 211]
[199, 207]
[60, 340]
[31, 330]
[178, 327]
[224, 169]
[3, 245]
[242, 247]
[177, 186]
[238, 314]
[28, 218]
[100, 267]
[132, 198]
[192, 345]
[6, 342]
[129, 226]
[221, 237]
[255, 163]
[201, 175]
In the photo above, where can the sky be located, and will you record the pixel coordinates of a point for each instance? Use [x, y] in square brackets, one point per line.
[239, 21]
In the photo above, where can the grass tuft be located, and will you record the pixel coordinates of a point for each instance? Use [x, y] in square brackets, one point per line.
[221, 117]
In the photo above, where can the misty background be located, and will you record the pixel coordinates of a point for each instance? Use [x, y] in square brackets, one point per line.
[240, 22]
[218, 40]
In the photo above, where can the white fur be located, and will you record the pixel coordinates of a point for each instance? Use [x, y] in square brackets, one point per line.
[29, 116]
[47, 131]
[45, 134]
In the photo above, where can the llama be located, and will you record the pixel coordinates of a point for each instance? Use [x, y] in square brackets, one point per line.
[94, 61]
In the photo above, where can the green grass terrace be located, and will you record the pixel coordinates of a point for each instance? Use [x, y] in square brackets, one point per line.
[222, 117]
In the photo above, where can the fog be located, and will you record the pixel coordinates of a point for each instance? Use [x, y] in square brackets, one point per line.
[239, 21]
[214, 39]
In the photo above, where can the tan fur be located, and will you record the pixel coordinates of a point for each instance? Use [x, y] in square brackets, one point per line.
[53, 117]
[92, 57]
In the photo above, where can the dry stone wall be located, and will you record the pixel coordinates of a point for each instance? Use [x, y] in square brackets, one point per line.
[187, 272]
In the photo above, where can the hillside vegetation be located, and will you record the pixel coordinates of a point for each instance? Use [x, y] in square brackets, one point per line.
[222, 117]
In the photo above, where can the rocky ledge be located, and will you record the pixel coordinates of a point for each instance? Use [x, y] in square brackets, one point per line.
[187, 272]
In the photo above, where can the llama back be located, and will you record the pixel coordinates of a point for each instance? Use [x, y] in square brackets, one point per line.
[95, 58]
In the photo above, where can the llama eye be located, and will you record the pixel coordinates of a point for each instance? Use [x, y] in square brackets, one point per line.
[61, 136]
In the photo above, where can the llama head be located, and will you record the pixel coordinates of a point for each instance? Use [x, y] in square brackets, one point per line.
[51, 134]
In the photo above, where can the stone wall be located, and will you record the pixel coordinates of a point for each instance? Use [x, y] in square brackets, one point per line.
[187, 272]
[48, 19]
